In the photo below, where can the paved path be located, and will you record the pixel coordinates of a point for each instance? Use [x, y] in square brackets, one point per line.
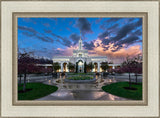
[90, 91]
[64, 94]
[80, 91]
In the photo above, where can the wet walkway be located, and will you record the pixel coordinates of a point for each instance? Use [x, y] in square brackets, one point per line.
[81, 95]
[80, 91]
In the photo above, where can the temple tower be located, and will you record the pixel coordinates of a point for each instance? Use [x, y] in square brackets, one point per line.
[80, 44]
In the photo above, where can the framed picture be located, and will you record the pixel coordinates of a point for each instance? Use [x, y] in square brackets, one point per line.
[70, 58]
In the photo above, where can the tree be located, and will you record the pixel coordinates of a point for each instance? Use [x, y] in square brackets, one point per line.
[45, 70]
[104, 66]
[49, 70]
[138, 70]
[119, 70]
[76, 67]
[85, 66]
[128, 66]
[89, 66]
[71, 66]
[56, 66]
[20, 72]
[110, 70]
[137, 66]
[26, 65]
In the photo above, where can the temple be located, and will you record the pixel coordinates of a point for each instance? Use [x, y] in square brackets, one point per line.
[80, 57]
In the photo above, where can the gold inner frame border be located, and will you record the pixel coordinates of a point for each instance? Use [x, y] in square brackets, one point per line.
[16, 15]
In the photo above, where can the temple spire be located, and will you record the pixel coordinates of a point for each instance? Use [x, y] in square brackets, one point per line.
[80, 42]
[80, 35]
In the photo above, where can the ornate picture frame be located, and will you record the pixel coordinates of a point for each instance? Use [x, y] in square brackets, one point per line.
[147, 10]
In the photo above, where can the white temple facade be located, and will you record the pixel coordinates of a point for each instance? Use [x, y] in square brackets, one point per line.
[80, 56]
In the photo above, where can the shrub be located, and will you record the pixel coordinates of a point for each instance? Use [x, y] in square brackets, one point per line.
[80, 78]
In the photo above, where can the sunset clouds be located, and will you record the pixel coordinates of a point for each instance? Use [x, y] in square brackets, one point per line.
[112, 37]
[98, 50]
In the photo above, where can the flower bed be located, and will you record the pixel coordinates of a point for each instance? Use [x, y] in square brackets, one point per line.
[80, 78]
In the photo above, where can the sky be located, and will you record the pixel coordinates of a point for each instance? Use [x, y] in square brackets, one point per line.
[112, 37]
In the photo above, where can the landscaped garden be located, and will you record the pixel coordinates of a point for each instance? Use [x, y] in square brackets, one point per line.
[28, 70]
[80, 78]
[35, 91]
[121, 89]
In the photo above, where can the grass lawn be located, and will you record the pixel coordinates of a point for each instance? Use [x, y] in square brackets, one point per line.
[35, 91]
[119, 90]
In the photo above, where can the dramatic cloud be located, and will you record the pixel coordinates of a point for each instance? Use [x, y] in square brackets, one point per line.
[67, 51]
[65, 41]
[117, 56]
[30, 32]
[97, 48]
[112, 37]
[114, 28]
[125, 42]
[75, 38]
[131, 19]
[53, 34]
[138, 32]
[50, 52]
[123, 32]
[29, 29]
[138, 23]
[45, 38]
[104, 35]
[113, 20]
[88, 46]
[58, 52]
[123, 37]
[84, 25]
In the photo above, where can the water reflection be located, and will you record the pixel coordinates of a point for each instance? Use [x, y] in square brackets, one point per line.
[64, 77]
[81, 91]
[80, 86]
[62, 94]
[60, 82]
[100, 81]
